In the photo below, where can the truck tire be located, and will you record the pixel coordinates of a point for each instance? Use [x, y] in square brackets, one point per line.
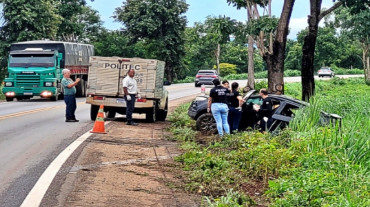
[9, 99]
[162, 113]
[54, 98]
[110, 114]
[80, 88]
[150, 114]
[94, 109]
[61, 96]
[206, 124]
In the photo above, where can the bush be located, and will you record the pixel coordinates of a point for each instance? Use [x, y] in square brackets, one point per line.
[226, 69]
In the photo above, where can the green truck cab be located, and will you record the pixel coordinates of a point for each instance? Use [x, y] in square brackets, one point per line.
[35, 68]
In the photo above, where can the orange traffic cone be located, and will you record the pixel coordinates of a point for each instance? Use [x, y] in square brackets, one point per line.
[99, 122]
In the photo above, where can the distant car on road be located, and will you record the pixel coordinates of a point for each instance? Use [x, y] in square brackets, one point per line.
[284, 108]
[325, 71]
[205, 77]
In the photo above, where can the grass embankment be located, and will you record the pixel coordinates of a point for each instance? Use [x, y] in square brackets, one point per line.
[305, 165]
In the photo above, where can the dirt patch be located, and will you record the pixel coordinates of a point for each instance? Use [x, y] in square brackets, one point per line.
[129, 166]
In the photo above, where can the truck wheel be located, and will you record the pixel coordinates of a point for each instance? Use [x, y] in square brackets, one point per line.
[61, 96]
[94, 109]
[54, 98]
[206, 123]
[150, 115]
[9, 99]
[162, 113]
[110, 114]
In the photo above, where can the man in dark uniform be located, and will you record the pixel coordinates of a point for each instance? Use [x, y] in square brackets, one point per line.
[265, 111]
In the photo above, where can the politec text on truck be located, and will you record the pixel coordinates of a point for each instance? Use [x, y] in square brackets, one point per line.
[105, 86]
[35, 68]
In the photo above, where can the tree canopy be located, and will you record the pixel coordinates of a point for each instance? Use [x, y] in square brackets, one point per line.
[160, 22]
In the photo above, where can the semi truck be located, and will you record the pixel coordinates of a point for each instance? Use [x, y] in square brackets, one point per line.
[105, 87]
[35, 68]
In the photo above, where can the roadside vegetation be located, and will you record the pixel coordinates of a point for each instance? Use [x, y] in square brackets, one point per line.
[305, 165]
[263, 74]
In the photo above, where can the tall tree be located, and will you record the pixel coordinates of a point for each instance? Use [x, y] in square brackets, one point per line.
[275, 37]
[79, 23]
[354, 24]
[220, 29]
[252, 14]
[308, 49]
[29, 20]
[162, 21]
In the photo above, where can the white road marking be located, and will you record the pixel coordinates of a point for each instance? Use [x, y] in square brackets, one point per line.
[38, 191]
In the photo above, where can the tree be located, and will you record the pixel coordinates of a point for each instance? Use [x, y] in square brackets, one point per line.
[29, 20]
[24, 20]
[252, 13]
[220, 29]
[79, 23]
[308, 49]
[354, 24]
[293, 55]
[199, 49]
[274, 53]
[160, 22]
[308, 84]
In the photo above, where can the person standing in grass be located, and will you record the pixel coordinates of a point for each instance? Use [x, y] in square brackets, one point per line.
[265, 110]
[225, 84]
[217, 104]
[235, 102]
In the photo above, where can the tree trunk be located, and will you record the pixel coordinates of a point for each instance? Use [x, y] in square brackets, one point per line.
[275, 67]
[218, 58]
[275, 61]
[308, 51]
[366, 63]
[168, 70]
[250, 83]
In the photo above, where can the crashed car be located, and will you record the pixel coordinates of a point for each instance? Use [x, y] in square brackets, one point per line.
[283, 112]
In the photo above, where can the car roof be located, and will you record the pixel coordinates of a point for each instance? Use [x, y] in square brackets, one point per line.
[285, 98]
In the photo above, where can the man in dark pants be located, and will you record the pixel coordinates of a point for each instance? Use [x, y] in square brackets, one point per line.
[69, 92]
[130, 91]
[265, 111]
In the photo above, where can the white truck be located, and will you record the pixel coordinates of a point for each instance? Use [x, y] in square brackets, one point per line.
[105, 87]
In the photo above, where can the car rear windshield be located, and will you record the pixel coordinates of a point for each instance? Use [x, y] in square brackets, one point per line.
[206, 73]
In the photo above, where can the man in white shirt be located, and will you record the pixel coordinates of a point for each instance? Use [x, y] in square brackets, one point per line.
[130, 91]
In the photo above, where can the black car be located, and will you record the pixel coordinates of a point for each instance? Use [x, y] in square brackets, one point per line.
[283, 112]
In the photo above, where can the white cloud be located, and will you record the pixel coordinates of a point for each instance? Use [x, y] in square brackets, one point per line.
[296, 25]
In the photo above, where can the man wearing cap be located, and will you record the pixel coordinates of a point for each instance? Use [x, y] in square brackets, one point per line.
[130, 91]
[69, 92]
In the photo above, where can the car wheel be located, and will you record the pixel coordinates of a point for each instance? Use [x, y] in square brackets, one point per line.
[206, 123]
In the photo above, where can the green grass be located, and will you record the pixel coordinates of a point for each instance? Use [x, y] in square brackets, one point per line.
[305, 165]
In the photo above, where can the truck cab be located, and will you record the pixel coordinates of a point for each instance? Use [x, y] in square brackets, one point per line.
[33, 72]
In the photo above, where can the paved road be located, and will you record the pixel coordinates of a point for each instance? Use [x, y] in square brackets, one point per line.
[33, 133]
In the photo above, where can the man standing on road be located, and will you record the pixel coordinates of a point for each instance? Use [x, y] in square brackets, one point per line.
[130, 91]
[69, 91]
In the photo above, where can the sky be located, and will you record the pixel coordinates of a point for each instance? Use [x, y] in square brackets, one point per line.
[199, 10]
